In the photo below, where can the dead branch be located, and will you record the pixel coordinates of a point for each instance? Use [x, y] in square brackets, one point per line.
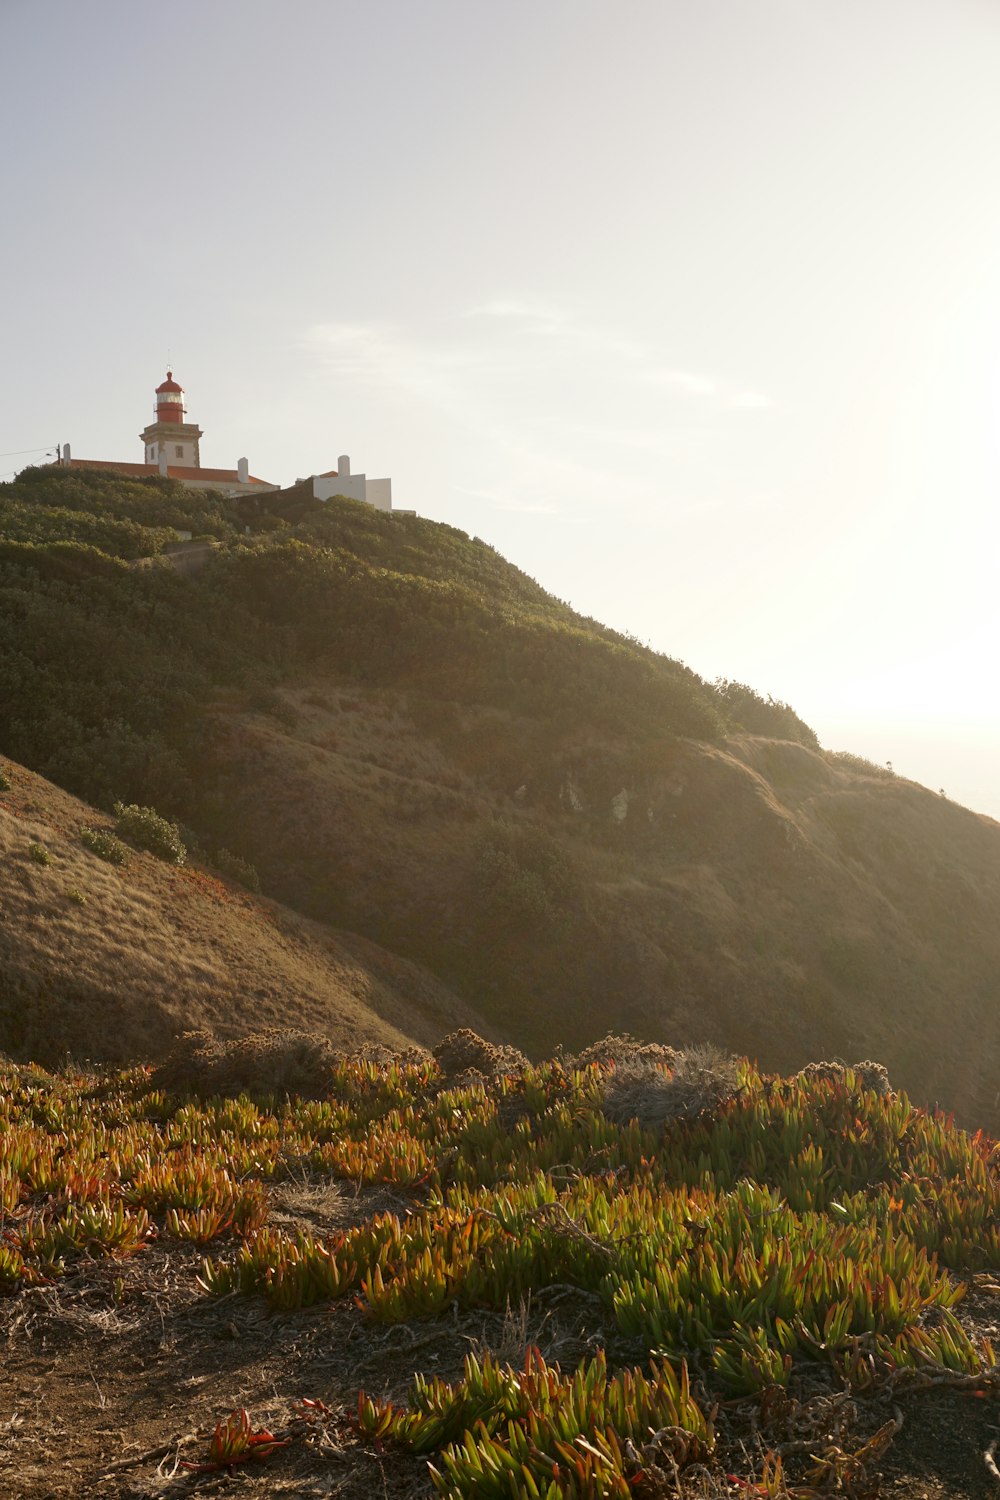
[152, 1455]
[990, 1462]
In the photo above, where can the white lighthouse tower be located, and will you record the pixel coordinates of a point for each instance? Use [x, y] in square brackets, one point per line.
[170, 439]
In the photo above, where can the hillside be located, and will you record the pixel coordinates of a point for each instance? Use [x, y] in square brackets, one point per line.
[412, 741]
[755, 893]
[103, 962]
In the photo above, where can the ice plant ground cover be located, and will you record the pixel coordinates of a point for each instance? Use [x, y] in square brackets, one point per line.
[805, 1228]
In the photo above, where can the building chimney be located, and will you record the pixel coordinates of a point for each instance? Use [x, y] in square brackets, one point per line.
[243, 469]
[343, 467]
[66, 454]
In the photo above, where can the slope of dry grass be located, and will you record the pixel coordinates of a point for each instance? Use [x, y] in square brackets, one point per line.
[755, 893]
[110, 964]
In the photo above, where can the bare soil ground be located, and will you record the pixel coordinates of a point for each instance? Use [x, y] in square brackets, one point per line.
[116, 1377]
[113, 1380]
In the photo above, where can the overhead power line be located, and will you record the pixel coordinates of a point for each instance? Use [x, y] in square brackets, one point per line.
[19, 452]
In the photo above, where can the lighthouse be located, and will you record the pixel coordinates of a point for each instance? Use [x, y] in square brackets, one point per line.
[171, 449]
[170, 439]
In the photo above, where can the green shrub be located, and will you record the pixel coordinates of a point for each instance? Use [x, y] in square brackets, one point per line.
[76, 896]
[264, 700]
[144, 828]
[234, 868]
[44, 524]
[525, 878]
[5, 782]
[39, 854]
[109, 673]
[104, 844]
[192, 843]
[764, 716]
[861, 764]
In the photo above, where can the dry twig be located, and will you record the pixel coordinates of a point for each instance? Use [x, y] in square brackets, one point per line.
[990, 1462]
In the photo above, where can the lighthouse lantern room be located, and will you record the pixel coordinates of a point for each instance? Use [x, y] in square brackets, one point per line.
[170, 439]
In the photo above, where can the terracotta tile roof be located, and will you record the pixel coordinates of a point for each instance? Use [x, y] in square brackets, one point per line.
[174, 471]
[328, 474]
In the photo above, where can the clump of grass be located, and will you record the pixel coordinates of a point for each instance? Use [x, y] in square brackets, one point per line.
[701, 1079]
[104, 844]
[39, 854]
[146, 829]
[77, 896]
[5, 782]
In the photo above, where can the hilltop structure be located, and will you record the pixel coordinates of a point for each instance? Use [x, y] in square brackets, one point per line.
[170, 431]
[172, 448]
[340, 481]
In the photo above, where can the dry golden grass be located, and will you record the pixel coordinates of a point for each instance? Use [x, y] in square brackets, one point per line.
[109, 964]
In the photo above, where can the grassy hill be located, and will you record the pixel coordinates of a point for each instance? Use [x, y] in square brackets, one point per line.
[112, 962]
[629, 1272]
[412, 741]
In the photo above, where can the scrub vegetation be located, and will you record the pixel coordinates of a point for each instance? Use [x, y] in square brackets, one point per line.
[110, 667]
[768, 1279]
[395, 733]
[344, 1264]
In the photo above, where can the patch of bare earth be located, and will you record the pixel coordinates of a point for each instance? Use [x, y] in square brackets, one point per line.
[113, 1380]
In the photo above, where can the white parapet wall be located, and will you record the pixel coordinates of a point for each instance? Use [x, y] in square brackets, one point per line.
[376, 492]
[325, 486]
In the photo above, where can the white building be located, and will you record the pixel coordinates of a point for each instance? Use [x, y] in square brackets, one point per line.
[340, 481]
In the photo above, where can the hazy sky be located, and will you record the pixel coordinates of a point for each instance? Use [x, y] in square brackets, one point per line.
[690, 307]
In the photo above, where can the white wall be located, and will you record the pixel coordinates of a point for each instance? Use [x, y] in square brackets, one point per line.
[351, 485]
[188, 455]
[159, 444]
[229, 489]
[377, 492]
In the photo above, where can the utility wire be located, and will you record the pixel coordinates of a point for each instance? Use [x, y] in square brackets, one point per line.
[17, 452]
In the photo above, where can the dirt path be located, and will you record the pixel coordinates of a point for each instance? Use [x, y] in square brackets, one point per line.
[115, 1377]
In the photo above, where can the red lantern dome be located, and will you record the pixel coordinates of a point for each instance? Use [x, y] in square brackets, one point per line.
[170, 400]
